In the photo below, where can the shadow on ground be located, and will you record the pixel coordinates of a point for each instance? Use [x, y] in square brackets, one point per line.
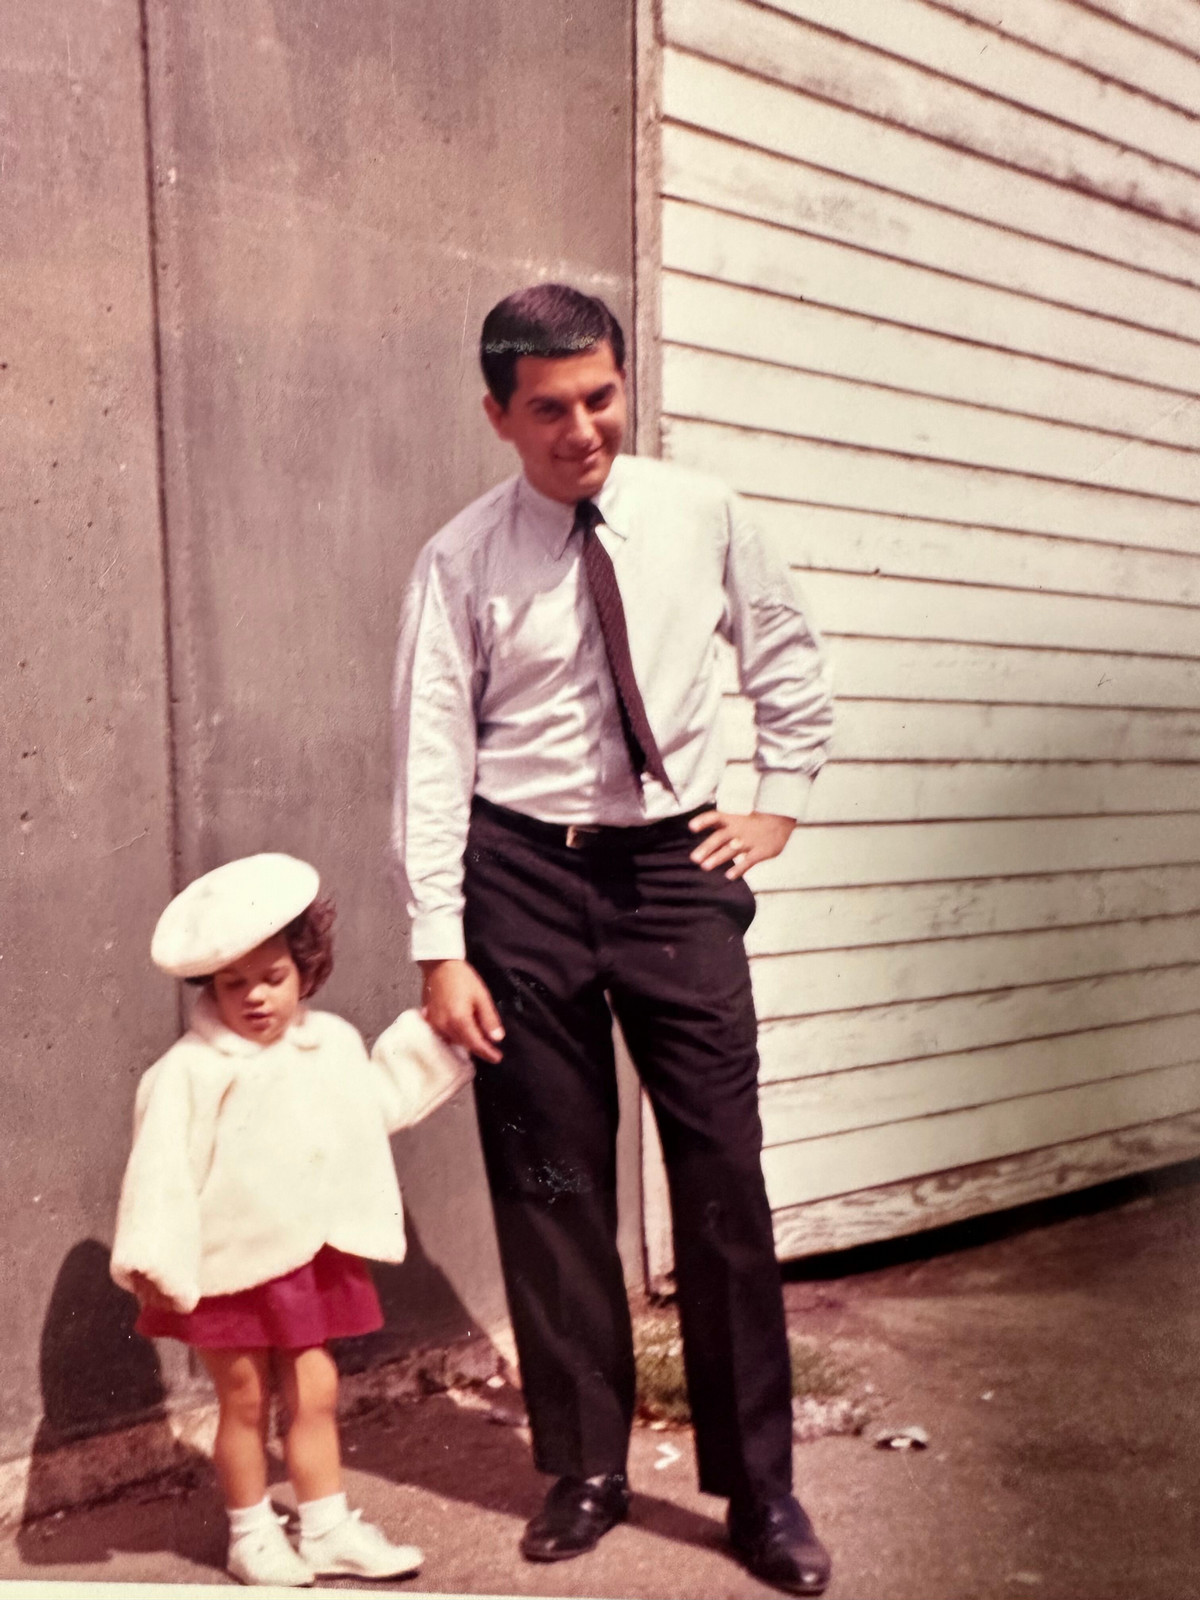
[96, 1374]
[427, 1446]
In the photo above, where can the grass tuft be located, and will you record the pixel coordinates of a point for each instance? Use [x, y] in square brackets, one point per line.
[662, 1389]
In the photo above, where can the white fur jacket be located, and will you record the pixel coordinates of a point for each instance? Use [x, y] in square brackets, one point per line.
[248, 1158]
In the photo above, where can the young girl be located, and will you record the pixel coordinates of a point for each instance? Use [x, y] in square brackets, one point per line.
[260, 1176]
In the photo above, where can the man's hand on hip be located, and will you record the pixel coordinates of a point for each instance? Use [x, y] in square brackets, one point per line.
[744, 840]
[457, 1005]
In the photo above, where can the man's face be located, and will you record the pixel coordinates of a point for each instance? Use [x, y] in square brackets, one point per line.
[565, 419]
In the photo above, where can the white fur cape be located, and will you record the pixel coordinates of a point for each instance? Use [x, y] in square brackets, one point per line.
[247, 1158]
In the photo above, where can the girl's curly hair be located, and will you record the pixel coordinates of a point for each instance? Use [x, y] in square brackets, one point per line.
[310, 939]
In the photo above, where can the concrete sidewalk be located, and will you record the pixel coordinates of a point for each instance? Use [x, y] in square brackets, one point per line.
[1052, 1355]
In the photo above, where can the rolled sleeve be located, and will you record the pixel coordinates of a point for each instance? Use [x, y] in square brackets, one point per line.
[782, 668]
[784, 794]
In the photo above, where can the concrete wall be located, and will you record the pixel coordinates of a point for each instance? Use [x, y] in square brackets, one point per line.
[84, 775]
[338, 191]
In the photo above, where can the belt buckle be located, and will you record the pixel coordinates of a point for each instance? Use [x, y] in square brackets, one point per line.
[577, 835]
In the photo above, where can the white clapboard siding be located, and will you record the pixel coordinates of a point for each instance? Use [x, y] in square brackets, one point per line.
[813, 470]
[901, 608]
[932, 670]
[1104, 47]
[878, 975]
[770, 116]
[728, 248]
[843, 1162]
[836, 1041]
[927, 791]
[1170, 22]
[1128, 144]
[702, 385]
[926, 289]
[826, 854]
[699, 166]
[889, 914]
[867, 1097]
[909, 730]
[869, 667]
[963, 1192]
[839, 540]
[816, 338]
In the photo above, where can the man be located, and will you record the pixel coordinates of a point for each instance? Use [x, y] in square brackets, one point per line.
[558, 690]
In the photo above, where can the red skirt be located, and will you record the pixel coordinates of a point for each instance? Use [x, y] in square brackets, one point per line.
[330, 1297]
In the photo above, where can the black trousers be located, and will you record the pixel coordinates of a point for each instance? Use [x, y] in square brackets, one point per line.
[557, 933]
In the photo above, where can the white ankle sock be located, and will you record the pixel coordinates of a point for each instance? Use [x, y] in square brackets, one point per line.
[244, 1519]
[319, 1516]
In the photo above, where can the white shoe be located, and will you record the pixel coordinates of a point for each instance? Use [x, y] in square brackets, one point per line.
[358, 1549]
[263, 1555]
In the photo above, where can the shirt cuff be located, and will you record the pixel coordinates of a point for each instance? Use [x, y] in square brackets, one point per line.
[438, 936]
[784, 794]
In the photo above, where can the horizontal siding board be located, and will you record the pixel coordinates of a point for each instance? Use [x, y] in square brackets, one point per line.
[833, 539]
[932, 670]
[698, 165]
[924, 791]
[833, 919]
[836, 1041]
[710, 387]
[882, 975]
[813, 266]
[1106, 48]
[887, 1211]
[840, 139]
[829, 855]
[814, 1108]
[972, 88]
[903, 608]
[770, 466]
[912, 730]
[848, 1161]
[764, 327]
[1171, 22]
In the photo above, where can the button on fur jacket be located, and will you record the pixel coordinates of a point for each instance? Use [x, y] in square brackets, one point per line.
[247, 1158]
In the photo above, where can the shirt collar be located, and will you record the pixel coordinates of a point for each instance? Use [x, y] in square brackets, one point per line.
[206, 1022]
[553, 520]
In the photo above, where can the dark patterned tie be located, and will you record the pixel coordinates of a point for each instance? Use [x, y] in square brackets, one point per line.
[606, 596]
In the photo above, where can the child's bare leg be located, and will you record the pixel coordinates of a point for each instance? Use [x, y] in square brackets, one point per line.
[242, 1379]
[309, 1380]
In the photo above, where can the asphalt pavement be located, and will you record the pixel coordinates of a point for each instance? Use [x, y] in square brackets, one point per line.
[1051, 1356]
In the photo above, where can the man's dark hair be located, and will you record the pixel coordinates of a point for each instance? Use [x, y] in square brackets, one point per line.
[547, 319]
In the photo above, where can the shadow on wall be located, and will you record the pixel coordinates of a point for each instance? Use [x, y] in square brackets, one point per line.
[420, 1307]
[98, 1376]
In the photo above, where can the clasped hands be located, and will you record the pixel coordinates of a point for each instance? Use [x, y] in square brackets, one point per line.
[455, 1000]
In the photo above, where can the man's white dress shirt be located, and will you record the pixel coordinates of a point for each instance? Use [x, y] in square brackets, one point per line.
[503, 689]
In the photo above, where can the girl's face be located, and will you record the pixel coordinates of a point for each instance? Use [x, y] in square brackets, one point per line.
[259, 994]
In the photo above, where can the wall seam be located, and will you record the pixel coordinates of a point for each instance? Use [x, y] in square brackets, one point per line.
[152, 245]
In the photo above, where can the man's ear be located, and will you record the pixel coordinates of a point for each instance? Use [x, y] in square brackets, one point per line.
[496, 414]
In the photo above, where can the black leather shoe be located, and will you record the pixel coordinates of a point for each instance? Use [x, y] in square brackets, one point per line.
[577, 1514]
[776, 1540]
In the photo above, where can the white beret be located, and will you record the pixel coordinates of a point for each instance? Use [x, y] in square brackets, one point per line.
[230, 911]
